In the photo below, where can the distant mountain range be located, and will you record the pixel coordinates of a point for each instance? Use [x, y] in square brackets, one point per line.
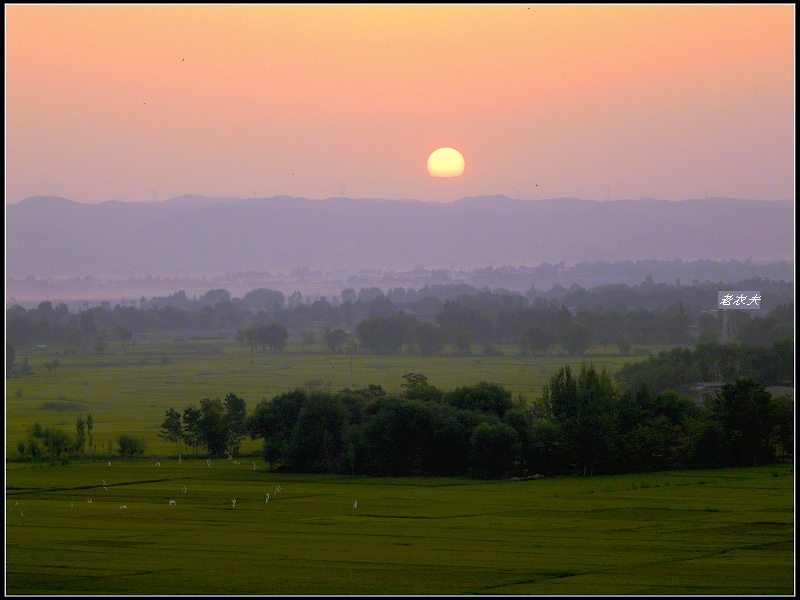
[55, 237]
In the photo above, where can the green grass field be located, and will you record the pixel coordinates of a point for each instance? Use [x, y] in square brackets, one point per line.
[129, 392]
[691, 532]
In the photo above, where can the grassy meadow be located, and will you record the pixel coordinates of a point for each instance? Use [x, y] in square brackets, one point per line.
[723, 532]
[693, 532]
[129, 390]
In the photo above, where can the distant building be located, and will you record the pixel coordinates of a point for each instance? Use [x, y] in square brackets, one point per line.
[705, 389]
[781, 390]
[708, 389]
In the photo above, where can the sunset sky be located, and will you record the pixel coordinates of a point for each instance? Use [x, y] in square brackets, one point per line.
[132, 102]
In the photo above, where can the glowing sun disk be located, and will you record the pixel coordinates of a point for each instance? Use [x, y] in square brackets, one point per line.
[445, 162]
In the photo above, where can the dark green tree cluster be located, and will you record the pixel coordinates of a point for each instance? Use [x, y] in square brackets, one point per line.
[391, 334]
[48, 325]
[217, 426]
[762, 331]
[583, 424]
[47, 443]
[335, 340]
[421, 430]
[592, 427]
[680, 367]
[271, 335]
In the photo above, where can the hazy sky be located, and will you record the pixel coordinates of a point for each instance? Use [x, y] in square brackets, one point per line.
[671, 102]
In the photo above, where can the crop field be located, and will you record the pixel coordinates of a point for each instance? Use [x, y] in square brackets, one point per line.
[690, 532]
[128, 391]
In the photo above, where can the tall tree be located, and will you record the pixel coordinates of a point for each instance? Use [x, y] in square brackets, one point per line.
[431, 338]
[272, 335]
[381, 335]
[213, 433]
[273, 421]
[575, 339]
[80, 434]
[318, 442]
[235, 417]
[89, 426]
[334, 340]
[582, 409]
[537, 340]
[191, 427]
[743, 410]
[171, 429]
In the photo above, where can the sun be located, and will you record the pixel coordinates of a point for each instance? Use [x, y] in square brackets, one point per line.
[446, 162]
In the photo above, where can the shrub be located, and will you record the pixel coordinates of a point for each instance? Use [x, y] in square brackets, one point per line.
[130, 446]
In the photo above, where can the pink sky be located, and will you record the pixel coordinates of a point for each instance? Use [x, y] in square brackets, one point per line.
[670, 102]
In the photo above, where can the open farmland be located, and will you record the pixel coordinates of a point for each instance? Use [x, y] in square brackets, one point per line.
[725, 531]
[128, 391]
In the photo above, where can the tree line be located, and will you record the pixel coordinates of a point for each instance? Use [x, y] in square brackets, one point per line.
[679, 367]
[430, 326]
[584, 423]
[56, 444]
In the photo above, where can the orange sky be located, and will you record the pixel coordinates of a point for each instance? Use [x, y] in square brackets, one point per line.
[672, 102]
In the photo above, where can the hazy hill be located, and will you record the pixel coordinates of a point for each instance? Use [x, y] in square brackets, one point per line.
[49, 236]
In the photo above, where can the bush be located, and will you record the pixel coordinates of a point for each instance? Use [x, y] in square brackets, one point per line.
[130, 446]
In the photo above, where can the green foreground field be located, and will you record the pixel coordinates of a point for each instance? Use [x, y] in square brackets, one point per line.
[691, 532]
[130, 391]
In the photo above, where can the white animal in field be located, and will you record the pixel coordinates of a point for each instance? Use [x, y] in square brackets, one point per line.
[173, 503]
[355, 504]
[109, 463]
[267, 502]
[158, 464]
[179, 458]
[16, 503]
[184, 489]
[234, 501]
[208, 462]
[254, 466]
[230, 456]
[236, 462]
[88, 501]
[21, 514]
[123, 506]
